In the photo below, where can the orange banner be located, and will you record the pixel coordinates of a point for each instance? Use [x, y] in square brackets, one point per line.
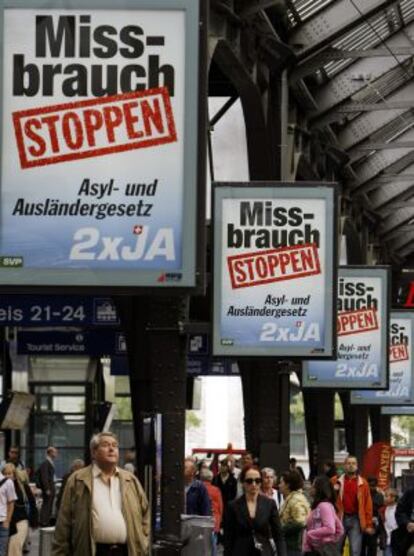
[377, 463]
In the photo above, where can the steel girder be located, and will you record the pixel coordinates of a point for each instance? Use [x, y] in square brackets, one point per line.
[388, 137]
[335, 20]
[406, 251]
[379, 161]
[395, 220]
[385, 196]
[354, 78]
[401, 241]
[370, 97]
[313, 63]
[368, 123]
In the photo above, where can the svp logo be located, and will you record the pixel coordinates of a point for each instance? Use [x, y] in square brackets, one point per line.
[169, 277]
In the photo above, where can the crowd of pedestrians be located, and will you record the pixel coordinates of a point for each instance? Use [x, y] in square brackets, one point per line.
[102, 510]
[256, 512]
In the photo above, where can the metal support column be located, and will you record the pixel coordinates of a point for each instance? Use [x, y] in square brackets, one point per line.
[156, 354]
[380, 425]
[266, 406]
[319, 421]
[7, 382]
[356, 426]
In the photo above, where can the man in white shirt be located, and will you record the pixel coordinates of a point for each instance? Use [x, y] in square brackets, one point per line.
[7, 499]
[104, 510]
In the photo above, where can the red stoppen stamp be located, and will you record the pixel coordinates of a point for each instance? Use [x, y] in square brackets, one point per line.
[273, 265]
[94, 127]
[356, 322]
[398, 352]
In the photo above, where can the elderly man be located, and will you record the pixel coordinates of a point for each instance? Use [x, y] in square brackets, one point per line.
[104, 510]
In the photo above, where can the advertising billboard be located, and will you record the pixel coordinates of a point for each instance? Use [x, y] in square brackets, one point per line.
[362, 328]
[401, 384]
[274, 270]
[100, 143]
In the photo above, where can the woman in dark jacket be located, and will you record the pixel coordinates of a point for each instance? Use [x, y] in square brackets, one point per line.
[252, 525]
[25, 511]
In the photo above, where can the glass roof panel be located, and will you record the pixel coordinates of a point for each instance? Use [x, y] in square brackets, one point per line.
[363, 37]
[407, 10]
[305, 9]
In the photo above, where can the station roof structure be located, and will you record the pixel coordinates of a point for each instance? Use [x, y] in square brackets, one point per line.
[353, 79]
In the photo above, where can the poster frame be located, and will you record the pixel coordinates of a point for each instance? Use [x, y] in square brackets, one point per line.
[385, 270]
[255, 189]
[193, 270]
[394, 313]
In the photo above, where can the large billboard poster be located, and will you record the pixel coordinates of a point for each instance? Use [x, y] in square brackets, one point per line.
[274, 270]
[99, 143]
[362, 328]
[401, 384]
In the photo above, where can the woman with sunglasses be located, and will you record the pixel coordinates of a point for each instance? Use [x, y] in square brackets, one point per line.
[252, 525]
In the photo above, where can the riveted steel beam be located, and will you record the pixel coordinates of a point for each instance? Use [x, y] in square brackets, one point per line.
[333, 22]
[389, 178]
[384, 146]
[312, 64]
[350, 107]
[361, 75]
[380, 161]
[365, 125]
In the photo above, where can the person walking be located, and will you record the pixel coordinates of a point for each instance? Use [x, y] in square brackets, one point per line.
[354, 504]
[8, 498]
[45, 480]
[329, 468]
[370, 542]
[104, 510]
[252, 524]
[24, 513]
[13, 456]
[269, 479]
[402, 538]
[216, 501]
[197, 501]
[226, 482]
[293, 466]
[389, 523]
[324, 529]
[294, 511]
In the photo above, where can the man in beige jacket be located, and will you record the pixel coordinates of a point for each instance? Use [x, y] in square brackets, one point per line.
[104, 510]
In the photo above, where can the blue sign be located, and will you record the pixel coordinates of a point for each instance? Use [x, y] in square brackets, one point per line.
[57, 310]
[92, 343]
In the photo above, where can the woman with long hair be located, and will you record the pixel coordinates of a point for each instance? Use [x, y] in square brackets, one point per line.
[25, 512]
[252, 525]
[294, 511]
[323, 529]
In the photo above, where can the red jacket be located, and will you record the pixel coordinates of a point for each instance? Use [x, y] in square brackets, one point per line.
[364, 500]
[216, 504]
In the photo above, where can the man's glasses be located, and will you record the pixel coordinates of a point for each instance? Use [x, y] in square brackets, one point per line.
[250, 481]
